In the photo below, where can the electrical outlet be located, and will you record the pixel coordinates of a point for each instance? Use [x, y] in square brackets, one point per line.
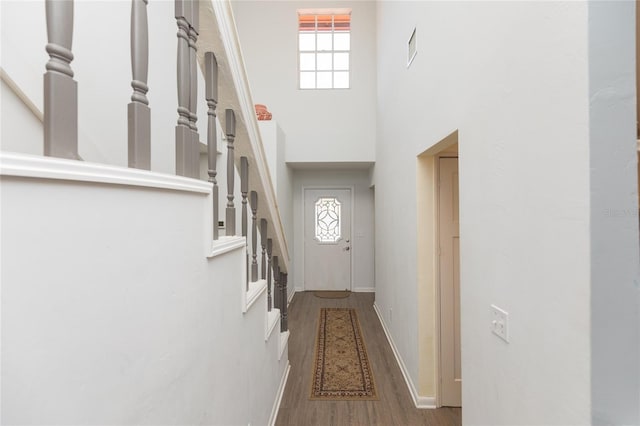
[500, 323]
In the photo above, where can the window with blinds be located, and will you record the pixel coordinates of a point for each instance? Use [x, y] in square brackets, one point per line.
[324, 43]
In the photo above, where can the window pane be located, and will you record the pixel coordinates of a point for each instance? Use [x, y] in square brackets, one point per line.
[307, 62]
[328, 220]
[341, 61]
[325, 22]
[324, 80]
[307, 22]
[324, 41]
[307, 80]
[341, 80]
[324, 61]
[342, 41]
[307, 41]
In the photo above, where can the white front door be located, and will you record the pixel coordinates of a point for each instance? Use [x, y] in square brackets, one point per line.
[450, 363]
[327, 239]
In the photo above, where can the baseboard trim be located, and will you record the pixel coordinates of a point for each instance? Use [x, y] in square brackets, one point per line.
[426, 402]
[364, 290]
[293, 293]
[278, 401]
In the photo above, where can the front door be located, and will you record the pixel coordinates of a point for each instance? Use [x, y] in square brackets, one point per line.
[450, 363]
[327, 239]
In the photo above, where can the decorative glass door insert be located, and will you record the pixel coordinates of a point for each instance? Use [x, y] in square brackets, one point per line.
[327, 214]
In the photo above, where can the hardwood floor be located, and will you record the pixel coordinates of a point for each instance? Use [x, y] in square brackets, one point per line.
[395, 406]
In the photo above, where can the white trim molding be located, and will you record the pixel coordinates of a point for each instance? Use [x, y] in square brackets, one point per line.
[226, 244]
[273, 319]
[21, 94]
[278, 401]
[34, 166]
[364, 290]
[419, 401]
[284, 341]
[251, 295]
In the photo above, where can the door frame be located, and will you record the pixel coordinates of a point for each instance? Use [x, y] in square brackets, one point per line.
[438, 286]
[351, 189]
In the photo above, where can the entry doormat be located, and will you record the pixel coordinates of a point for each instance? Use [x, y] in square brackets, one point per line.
[341, 369]
[332, 294]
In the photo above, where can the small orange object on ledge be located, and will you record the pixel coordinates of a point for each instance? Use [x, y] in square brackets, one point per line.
[262, 112]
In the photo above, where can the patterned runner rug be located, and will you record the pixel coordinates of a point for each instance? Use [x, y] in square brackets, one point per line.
[341, 370]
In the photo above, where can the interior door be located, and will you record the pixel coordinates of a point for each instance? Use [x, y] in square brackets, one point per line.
[450, 363]
[327, 239]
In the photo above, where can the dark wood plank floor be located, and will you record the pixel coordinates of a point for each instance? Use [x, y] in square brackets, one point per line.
[395, 406]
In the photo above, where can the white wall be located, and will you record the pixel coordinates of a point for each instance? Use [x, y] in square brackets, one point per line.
[320, 125]
[102, 68]
[513, 78]
[113, 314]
[362, 211]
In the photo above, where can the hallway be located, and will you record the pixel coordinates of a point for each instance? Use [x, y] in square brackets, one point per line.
[394, 407]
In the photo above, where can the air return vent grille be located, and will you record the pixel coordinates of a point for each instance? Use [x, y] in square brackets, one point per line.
[412, 48]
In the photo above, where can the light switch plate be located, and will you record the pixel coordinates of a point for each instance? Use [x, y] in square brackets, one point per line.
[500, 323]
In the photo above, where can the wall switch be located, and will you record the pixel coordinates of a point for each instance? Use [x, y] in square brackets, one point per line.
[500, 323]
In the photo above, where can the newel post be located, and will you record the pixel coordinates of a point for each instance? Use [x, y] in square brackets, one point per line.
[230, 119]
[211, 94]
[138, 112]
[269, 273]
[284, 325]
[194, 28]
[183, 131]
[263, 243]
[254, 236]
[60, 89]
[244, 188]
[276, 280]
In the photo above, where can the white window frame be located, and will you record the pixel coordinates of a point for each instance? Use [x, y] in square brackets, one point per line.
[332, 71]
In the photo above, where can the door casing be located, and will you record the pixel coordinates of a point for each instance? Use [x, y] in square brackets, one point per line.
[351, 189]
[439, 385]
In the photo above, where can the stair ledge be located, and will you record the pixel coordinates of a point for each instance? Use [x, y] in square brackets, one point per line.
[35, 166]
[254, 292]
[273, 319]
[226, 244]
[284, 340]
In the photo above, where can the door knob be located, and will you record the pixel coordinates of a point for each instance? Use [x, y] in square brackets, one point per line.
[346, 241]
